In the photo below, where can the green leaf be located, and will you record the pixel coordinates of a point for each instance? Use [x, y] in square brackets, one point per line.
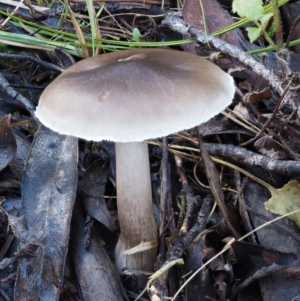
[253, 33]
[251, 9]
[136, 34]
[286, 200]
[264, 20]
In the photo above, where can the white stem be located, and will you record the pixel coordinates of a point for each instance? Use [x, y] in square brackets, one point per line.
[134, 199]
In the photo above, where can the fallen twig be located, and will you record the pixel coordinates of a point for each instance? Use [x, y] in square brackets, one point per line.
[244, 157]
[173, 22]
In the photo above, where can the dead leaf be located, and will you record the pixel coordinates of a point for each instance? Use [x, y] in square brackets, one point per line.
[8, 145]
[96, 275]
[285, 200]
[92, 191]
[254, 97]
[48, 191]
[267, 146]
[17, 164]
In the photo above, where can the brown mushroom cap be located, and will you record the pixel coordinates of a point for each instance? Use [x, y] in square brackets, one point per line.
[134, 95]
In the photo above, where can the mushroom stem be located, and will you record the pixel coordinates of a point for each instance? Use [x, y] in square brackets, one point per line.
[135, 213]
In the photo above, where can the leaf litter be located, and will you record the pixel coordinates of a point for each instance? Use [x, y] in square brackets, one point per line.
[49, 190]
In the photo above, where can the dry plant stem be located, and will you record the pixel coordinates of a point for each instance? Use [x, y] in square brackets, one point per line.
[215, 185]
[134, 206]
[12, 13]
[179, 25]
[286, 89]
[292, 31]
[191, 201]
[79, 33]
[32, 8]
[183, 178]
[188, 200]
[160, 277]
[237, 180]
[26, 82]
[165, 193]
[94, 26]
[265, 34]
[244, 213]
[14, 94]
[65, 58]
[16, 3]
[176, 251]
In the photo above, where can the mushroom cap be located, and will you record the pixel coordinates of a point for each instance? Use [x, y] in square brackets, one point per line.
[134, 95]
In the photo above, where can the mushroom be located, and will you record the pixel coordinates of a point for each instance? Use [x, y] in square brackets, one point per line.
[128, 97]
